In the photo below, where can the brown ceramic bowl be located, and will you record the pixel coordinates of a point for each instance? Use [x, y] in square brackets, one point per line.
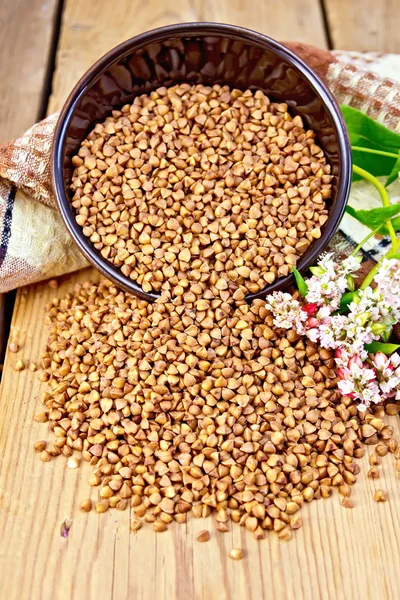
[207, 53]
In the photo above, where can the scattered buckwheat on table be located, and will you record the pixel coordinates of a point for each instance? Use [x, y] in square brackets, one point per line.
[196, 404]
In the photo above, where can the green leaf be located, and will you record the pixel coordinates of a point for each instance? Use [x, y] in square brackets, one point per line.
[301, 283]
[375, 217]
[346, 299]
[375, 347]
[364, 131]
[367, 133]
[394, 172]
[395, 223]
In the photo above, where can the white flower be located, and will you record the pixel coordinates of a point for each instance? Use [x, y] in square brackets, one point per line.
[387, 386]
[326, 263]
[323, 312]
[358, 381]
[329, 281]
[370, 394]
[351, 264]
[383, 364]
[287, 312]
[395, 360]
[346, 386]
[313, 334]
[388, 287]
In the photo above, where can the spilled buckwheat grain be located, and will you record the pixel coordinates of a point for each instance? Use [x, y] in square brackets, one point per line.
[201, 184]
[196, 404]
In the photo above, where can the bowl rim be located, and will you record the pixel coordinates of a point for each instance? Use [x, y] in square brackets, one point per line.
[192, 29]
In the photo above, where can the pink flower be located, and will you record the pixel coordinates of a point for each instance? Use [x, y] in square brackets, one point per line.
[381, 362]
[340, 353]
[312, 322]
[342, 357]
[359, 382]
[356, 360]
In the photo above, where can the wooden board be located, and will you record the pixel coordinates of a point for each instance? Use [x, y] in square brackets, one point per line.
[364, 25]
[91, 28]
[26, 29]
[339, 553]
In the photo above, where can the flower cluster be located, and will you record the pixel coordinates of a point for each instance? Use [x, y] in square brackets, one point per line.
[329, 282]
[358, 380]
[288, 313]
[370, 315]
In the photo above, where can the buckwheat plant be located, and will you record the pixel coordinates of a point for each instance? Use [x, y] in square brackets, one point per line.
[356, 323]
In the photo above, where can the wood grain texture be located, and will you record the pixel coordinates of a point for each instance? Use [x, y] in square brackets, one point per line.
[338, 554]
[26, 28]
[364, 25]
[91, 28]
[292, 20]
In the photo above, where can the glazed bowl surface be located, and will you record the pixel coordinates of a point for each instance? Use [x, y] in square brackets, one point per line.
[206, 53]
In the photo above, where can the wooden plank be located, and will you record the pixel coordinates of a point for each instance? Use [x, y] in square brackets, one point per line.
[26, 28]
[364, 25]
[89, 29]
[337, 554]
[292, 20]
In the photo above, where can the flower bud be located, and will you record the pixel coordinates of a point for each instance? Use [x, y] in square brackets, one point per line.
[380, 361]
[312, 322]
[342, 374]
[350, 283]
[362, 318]
[378, 329]
[317, 271]
[387, 333]
[340, 353]
[356, 360]
[310, 308]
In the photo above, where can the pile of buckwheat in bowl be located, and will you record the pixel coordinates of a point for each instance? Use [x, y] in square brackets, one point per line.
[197, 403]
[208, 184]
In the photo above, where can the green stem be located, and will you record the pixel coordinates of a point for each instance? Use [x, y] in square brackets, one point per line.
[371, 151]
[361, 244]
[384, 197]
[371, 274]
